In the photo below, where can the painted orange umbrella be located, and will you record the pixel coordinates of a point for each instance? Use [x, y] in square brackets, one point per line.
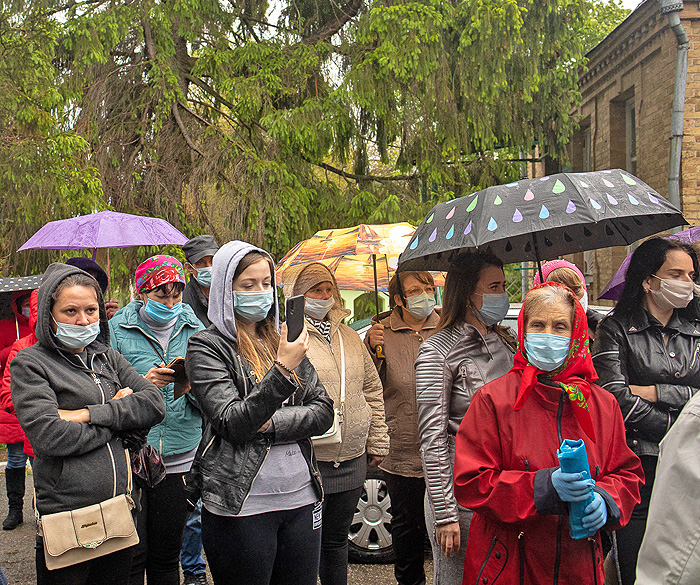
[351, 254]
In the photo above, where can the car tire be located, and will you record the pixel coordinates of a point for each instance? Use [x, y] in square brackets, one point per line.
[369, 539]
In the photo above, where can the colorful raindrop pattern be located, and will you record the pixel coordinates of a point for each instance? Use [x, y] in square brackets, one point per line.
[544, 213]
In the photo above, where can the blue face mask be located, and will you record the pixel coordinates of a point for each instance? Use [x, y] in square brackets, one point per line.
[494, 308]
[253, 306]
[161, 313]
[546, 350]
[76, 336]
[421, 306]
[204, 276]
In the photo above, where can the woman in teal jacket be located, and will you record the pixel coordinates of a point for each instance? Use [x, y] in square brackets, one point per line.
[149, 333]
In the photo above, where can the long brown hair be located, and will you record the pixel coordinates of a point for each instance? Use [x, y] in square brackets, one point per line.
[260, 351]
[460, 285]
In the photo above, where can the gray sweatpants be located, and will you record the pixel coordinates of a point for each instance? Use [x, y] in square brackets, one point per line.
[448, 571]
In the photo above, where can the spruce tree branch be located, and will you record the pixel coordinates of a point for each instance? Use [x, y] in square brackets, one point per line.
[348, 12]
[193, 146]
[355, 177]
[71, 4]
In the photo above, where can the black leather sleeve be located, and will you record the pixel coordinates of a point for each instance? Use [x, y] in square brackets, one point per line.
[236, 412]
[311, 414]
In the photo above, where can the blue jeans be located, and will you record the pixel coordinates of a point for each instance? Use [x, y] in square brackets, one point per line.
[16, 457]
[191, 557]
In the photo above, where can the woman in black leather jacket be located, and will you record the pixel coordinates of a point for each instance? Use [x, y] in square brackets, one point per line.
[647, 354]
[262, 401]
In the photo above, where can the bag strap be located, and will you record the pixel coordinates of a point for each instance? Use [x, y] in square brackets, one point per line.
[342, 369]
[129, 474]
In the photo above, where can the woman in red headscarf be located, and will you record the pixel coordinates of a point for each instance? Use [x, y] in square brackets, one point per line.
[506, 465]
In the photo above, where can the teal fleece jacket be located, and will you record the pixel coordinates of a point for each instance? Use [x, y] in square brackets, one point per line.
[181, 429]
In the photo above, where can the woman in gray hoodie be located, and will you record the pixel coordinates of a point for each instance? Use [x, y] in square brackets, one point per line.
[262, 401]
[74, 395]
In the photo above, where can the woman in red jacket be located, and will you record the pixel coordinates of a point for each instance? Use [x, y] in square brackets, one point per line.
[16, 327]
[506, 466]
[11, 433]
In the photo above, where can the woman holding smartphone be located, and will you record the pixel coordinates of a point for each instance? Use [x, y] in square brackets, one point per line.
[149, 333]
[262, 401]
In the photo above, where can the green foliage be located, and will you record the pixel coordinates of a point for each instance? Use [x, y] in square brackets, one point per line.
[216, 118]
[602, 16]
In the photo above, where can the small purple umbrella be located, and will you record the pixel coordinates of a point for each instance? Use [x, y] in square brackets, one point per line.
[106, 229]
[613, 290]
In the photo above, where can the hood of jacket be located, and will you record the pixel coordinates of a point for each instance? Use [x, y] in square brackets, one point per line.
[226, 260]
[33, 309]
[337, 313]
[54, 275]
[16, 296]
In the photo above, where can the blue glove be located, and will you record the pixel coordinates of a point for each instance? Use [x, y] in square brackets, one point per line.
[595, 514]
[570, 486]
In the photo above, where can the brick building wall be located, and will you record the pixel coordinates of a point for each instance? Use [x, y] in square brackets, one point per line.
[625, 112]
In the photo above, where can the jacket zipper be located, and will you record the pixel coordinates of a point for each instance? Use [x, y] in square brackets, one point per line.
[98, 383]
[695, 356]
[521, 549]
[557, 559]
[595, 569]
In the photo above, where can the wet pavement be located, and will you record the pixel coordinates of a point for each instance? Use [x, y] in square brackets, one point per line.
[17, 550]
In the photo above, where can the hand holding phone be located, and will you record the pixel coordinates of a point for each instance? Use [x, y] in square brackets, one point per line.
[291, 354]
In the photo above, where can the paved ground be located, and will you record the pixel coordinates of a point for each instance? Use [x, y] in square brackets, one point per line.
[17, 551]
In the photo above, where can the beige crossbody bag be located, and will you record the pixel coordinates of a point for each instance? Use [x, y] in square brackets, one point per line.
[333, 436]
[76, 536]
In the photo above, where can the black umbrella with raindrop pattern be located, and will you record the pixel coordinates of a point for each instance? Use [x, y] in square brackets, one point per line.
[541, 219]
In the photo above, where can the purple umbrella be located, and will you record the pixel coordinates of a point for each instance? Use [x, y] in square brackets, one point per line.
[106, 229]
[613, 290]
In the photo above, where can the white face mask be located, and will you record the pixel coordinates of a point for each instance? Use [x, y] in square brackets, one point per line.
[584, 301]
[318, 308]
[673, 294]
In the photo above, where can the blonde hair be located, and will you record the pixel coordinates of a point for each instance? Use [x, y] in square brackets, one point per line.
[544, 297]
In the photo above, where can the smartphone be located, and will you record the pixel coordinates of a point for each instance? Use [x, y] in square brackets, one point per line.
[294, 311]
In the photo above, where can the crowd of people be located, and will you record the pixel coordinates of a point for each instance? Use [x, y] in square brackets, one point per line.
[194, 392]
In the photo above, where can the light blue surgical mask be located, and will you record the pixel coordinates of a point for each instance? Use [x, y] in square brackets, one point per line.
[76, 336]
[420, 306]
[204, 276]
[546, 350]
[161, 313]
[253, 306]
[318, 308]
[494, 308]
